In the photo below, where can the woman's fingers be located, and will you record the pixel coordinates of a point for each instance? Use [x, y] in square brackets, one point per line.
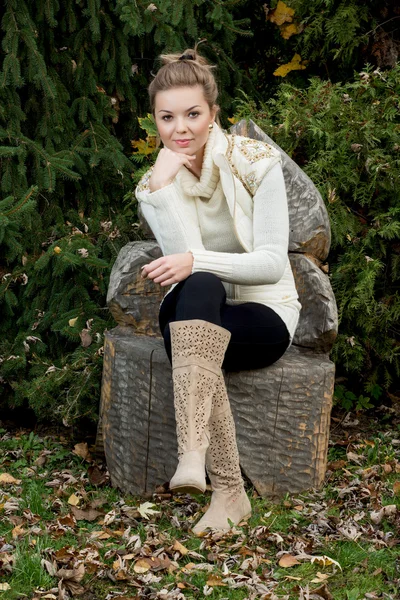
[167, 270]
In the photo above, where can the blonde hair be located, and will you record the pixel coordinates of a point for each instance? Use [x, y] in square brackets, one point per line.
[181, 70]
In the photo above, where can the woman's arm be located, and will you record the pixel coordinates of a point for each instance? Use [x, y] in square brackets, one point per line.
[267, 262]
[172, 219]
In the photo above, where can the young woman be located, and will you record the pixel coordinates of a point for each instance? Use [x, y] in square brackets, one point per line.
[217, 206]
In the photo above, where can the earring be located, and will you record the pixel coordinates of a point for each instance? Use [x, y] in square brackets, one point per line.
[210, 126]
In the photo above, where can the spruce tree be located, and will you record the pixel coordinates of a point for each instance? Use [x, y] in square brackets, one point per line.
[73, 79]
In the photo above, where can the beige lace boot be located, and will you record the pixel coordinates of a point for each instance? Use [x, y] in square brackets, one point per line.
[198, 350]
[229, 502]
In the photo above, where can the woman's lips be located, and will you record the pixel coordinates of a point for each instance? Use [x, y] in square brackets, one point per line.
[182, 143]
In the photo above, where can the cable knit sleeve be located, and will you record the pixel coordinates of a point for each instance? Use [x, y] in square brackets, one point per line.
[266, 263]
[171, 217]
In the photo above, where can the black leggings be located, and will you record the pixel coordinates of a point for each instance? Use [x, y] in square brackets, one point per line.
[258, 335]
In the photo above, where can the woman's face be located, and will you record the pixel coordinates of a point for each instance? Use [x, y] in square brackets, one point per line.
[183, 117]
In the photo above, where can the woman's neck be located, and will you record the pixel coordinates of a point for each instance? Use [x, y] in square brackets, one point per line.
[197, 164]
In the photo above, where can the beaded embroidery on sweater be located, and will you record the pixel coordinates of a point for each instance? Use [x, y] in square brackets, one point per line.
[252, 150]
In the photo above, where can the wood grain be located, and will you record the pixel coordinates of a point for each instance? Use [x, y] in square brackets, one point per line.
[281, 414]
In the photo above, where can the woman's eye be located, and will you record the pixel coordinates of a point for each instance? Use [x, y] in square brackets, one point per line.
[166, 117]
[194, 114]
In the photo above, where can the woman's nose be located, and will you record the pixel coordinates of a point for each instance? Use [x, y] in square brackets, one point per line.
[181, 125]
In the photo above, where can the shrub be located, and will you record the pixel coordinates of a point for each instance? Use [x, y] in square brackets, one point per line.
[346, 138]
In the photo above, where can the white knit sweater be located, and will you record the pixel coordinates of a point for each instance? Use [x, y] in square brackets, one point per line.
[193, 215]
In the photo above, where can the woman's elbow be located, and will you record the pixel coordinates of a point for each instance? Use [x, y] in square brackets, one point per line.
[274, 270]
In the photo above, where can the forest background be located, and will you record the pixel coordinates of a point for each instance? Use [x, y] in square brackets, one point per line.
[321, 78]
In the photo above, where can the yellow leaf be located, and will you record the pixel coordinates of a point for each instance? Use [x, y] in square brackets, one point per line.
[320, 578]
[281, 14]
[72, 322]
[188, 567]
[180, 548]
[215, 580]
[232, 120]
[4, 587]
[293, 65]
[57, 250]
[288, 30]
[288, 560]
[73, 500]
[6, 478]
[117, 564]
[100, 535]
[141, 566]
[145, 146]
[81, 449]
[18, 531]
[325, 560]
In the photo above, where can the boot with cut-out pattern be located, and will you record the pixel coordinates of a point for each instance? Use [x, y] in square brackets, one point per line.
[229, 502]
[198, 350]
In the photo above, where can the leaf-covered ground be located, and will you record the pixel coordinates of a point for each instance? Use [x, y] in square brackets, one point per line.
[66, 533]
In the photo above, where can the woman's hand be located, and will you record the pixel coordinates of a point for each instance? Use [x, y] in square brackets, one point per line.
[169, 269]
[167, 166]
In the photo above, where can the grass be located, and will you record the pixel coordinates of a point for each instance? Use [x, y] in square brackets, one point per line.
[308, 525]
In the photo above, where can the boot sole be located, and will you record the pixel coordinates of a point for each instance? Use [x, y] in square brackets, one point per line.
[187, 489]
[204, 531]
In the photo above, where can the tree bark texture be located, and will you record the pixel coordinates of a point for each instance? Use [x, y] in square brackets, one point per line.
[281, 414]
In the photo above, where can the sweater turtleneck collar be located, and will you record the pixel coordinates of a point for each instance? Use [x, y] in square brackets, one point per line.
[204, 187]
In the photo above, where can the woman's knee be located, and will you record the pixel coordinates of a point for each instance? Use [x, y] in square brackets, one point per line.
[204, 281]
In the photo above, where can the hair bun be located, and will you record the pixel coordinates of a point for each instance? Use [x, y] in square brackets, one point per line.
[188, 54]
[187, 57]
[185, 69]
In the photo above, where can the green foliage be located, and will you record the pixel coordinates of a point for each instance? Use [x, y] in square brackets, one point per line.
[335, 37]
[349, 401]
[73, 79]
[346, 138]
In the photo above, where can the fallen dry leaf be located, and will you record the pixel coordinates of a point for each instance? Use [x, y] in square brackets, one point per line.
[322, 592]
[376, 516]
[325, 561]
[70, 578]
[18, 531]
[73, 500]
[4, 587]
[100, 535]
[67, 521]
[96, 476]
[110, 517]
[9, 479]
[142, 566]
[215, 580]
[180, 548]
[320, 578]
[85, 515]
[287, 560]
[146, 510]
[82, 450]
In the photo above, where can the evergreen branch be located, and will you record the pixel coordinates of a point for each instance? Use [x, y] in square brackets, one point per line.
[33, 190]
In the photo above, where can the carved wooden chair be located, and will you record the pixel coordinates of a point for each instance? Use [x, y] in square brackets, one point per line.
[282, 412]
